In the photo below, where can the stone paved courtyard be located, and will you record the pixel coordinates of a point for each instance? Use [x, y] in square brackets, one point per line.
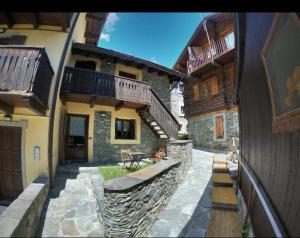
[71, 208]
[187, 213]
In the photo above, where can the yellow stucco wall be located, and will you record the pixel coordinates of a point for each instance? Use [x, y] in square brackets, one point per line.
[35, 135]
[124, 113]
[128, 69]
[57, 152]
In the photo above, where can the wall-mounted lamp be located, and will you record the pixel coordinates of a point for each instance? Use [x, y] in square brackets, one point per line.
[7, 117]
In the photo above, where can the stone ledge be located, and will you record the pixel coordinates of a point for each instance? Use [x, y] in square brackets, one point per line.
[180, 141]
[21, 218]
[131, 180]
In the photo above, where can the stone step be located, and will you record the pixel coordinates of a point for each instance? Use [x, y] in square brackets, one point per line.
[164, 136]
[222, 179]
[220, 167]
[224, 198]
[219, 159]
[147, 160]
[224, 224]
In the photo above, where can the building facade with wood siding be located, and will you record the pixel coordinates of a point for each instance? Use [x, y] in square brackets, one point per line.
[272, 156]
[34, 48]
[209, 103]
[119, 101]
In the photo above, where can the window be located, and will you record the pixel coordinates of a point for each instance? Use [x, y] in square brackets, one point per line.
[127, 75]
[125, 129]
[182, 110]
[90, 65]
[12, 40]
[180, 87]
[229, 39]
[206, 88]
[219, 127]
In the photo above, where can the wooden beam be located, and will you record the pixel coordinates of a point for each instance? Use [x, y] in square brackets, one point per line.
[9, 109]
[93, 100]
[35, 105]
[64, 24]
[36, 20]
[160, 73]
[151, 70]
[119, 105]
[140, 66]
[9, 19]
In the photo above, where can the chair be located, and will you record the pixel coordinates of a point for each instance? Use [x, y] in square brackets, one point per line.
[126, 157]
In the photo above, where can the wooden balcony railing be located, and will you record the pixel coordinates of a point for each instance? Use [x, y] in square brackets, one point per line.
[25, 71]
[132, 90]
[214, 51]
[163, 116]
[83, 81]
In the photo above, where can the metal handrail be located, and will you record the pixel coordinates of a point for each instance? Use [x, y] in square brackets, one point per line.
[278, 228]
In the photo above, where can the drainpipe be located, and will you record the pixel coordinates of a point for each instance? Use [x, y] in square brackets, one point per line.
[55, 95]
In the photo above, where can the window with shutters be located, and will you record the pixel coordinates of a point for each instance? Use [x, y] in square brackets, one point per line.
[206, 89]
[220, 127]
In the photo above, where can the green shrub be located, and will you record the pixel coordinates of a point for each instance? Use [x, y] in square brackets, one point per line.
[183, 136]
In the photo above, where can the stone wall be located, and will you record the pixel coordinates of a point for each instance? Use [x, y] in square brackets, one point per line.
[132, 202]
[201, 131]
[22, 217]
[107, 153]
[176, 104]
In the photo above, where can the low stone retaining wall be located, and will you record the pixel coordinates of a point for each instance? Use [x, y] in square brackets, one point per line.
[132, 202]
[22, 217]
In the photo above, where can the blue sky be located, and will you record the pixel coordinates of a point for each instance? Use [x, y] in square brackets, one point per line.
[158, 37]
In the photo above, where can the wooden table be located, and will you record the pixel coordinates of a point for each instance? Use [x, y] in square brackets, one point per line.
[137, 157]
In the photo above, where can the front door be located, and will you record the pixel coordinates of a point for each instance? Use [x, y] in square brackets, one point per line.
[11, 184]
[76, 137]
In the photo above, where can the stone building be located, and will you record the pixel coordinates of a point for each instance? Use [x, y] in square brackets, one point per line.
[113, 101]
[177, 106]
[210, 107]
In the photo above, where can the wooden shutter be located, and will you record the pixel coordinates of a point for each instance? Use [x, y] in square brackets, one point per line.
[219, 127]
[196, 92]
[214, 86]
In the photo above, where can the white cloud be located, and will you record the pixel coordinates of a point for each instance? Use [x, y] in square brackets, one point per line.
[111, 21]
[154, 60]
[105, 37]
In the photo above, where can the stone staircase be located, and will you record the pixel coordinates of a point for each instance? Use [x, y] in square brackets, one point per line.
[225, 221]
[72, 211]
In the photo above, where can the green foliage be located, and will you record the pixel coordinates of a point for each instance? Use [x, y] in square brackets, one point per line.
[183, 136]
[115, 171]
[245, 230]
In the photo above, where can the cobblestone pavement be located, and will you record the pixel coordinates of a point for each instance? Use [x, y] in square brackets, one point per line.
[71, 209]
[187, 213]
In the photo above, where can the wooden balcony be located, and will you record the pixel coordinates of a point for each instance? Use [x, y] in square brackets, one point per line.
[87, 86]
[219, 51]
[25, 78]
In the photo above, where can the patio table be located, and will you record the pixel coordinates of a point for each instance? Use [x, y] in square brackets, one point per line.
[137, 157]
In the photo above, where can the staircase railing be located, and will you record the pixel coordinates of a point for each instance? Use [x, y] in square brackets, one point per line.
[163, 116]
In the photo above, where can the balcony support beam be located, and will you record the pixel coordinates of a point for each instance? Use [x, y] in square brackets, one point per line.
[9, 109]
[119, 105]
[93, 100]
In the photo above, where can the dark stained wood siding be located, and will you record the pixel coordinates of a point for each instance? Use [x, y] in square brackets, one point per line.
[215, 102]
[274, 158]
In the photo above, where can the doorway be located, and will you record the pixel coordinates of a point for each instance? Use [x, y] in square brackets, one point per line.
[76, 141]
[11, 184]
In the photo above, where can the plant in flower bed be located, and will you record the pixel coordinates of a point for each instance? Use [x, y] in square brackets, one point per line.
[115, 171]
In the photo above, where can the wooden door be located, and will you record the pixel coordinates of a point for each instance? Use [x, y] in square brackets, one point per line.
[11, 184]
[76, 137]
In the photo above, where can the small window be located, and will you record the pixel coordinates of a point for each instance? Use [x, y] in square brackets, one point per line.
[90, 65]
[127, 75]
[229, 39]
[125, 129]
[206, 88]
[180, 87]
[182, 110]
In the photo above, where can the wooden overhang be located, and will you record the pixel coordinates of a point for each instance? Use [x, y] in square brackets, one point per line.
[94, 24]
[115, 57]
[61, 19]
[215, 21]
